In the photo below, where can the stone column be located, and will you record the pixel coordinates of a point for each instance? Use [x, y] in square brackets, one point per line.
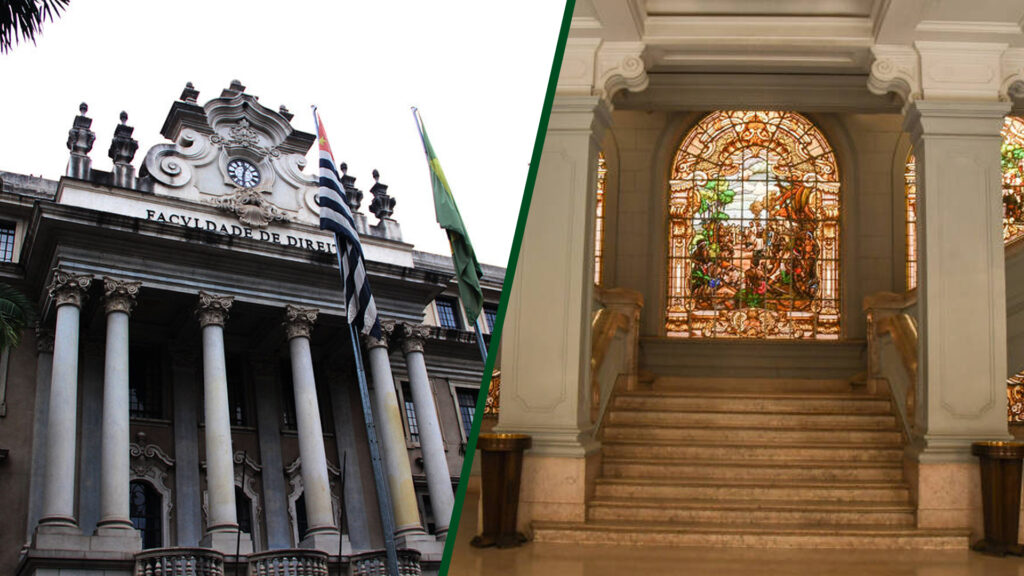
[44, 365]
[961, 290]
[119, 299]
[221, 520]
[322, 533]
[392, 438]
[435, 462]
[67, 290]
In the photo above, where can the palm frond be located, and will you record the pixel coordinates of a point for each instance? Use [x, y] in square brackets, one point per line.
[21, 20]
[16, 312]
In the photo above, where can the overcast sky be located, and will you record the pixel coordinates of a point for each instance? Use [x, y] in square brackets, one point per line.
[477, 71]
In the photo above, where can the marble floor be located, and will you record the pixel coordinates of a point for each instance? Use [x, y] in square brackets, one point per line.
[596, 560]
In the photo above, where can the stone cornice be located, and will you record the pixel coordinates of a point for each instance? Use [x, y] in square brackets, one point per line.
[69, 288]
[120, 295]
[299, 321]
[212, 309]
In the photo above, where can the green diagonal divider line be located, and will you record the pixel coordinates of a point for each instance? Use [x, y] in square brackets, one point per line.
[506, 290]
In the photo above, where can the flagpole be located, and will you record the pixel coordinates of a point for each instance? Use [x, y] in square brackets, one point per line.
[480, 341]
[383, 498]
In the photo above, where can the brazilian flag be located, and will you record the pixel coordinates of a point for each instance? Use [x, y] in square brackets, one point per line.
[467, 268]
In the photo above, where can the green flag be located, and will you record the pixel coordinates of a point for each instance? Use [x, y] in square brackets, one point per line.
[467, 269]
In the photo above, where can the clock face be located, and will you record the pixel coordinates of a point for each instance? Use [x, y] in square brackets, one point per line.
[243, 173]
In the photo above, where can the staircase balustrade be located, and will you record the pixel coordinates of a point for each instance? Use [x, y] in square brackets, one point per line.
[615, 344]
[892, 350]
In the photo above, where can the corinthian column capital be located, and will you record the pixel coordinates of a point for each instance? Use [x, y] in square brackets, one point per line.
[413, 336]
[69, 288]
[213, 309]
[387, 329]
[299, 322]
[120, 295]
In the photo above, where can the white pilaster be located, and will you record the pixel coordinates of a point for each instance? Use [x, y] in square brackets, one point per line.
[322, 532]
[67, 291]
[392, 437]
[115, 475]
[439, 481]
[221, 520]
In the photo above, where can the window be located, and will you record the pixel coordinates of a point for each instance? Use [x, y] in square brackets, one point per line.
[145, 503]
[6, 241]
[602, 172]
[427, 513]
[145, 382]
[448, 313]
[754, 230]
[239, 412]
[910, 183]
[301, 521]
[491, 316]
[467, 408]
[410, 414]
[243, 510]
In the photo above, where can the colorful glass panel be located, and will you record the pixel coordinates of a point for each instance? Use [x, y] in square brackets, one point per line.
[754, 230]
[1015, 396]
[602, 172]
[910, 181]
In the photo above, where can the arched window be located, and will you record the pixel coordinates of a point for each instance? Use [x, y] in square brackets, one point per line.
[602, 172]
[146, 505]
[1012, 164]
[243, 510]
[754, 229]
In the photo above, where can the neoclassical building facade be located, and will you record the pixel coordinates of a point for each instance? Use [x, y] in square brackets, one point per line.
[189, 398]
[802, 311]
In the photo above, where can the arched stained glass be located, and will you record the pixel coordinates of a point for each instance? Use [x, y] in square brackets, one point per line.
[754, 230]
[1012, 164]
[602, 172]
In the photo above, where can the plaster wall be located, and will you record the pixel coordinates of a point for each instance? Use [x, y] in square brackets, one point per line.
[16, 428]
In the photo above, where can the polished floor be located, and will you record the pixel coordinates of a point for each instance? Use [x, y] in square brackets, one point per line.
[596, 560]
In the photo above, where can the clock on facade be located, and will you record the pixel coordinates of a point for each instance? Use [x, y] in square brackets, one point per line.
[243, 173]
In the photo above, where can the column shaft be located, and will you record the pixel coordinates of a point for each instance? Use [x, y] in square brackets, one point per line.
[59, 490]
[392, 437]
[315, 482]
[220, 475]
[434, 460]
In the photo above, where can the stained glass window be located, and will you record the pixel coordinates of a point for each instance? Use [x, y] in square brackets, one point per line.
[754, 230]
[1015, 398]
[1012, 164]
[602, 173]
[910, 179]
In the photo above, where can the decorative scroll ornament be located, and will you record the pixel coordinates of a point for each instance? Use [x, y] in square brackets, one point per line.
[69, 288]
[44, 340]
[243, 136]
[299, 321]
[120, 295]
[213, 309]
[413, 336]
[250, 207]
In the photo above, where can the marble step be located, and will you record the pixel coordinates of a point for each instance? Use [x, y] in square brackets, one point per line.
[754, 386]
[665, 510]
[743, 404]
[811, 421]
[668, 451]
[617, 488]
[750, 435]
[806, 471]
[747, 535]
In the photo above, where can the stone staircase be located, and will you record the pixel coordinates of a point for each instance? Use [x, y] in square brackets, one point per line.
[782, 463]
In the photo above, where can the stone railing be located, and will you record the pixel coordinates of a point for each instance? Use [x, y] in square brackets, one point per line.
[615, 344]
[374, 563]
[179, 562]
[294, 562]
[892, 350]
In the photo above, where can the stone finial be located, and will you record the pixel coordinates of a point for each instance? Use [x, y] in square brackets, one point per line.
[122, 151]
[382, 206]
[189, 94]
[212, 309]
[283, 111]
[120, 295]
[69, 288]
[353, 195]
[387, 329]
[299, 322]
[80, 141]
[413, 336]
